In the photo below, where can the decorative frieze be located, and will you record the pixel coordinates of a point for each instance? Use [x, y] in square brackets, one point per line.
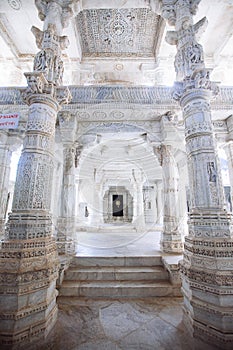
[154, 96]
[216, 278]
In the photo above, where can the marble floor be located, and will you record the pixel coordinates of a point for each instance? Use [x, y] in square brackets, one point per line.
[118, 242]
[148, 324]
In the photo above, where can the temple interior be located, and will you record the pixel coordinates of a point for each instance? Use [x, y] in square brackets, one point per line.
[116, 174]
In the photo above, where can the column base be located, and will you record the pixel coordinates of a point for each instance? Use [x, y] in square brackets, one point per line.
[171, 263]
[65, 236]
[139, 222]
[207, 287]
[35, 327]
[28, 272]
[171, 243]
[171, 240]
[197, 317]
[27, 291]
[172, 246]
[65, 247]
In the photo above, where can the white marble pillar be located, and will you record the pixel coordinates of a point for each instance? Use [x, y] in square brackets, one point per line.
[8, 144]
[206, 269]
[66, 221]
[159, 202]
[29, 262]
[171, 240]
[150, 210]
[229, 153]
[5, 161]
[182, 199]
[97, 209]
[138, 206]
[135, 203]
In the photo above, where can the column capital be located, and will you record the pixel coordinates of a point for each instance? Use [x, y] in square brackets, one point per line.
[68, 126]
[197, 85]
[57, 12]
[163, 152]
[178, 13]
[189, 60]
[39, 90]
[48, 59]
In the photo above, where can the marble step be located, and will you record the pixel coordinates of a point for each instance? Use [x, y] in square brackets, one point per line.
[116, 289]
[116, 261]
[116, 273]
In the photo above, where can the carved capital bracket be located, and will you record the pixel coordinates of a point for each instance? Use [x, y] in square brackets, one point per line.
[56, 15]
[189, 60]
[54, 11]
[67, 124]
[78, 152]
[39, 89]
[178, 12]
[36, 85]
[48, 59]
[163, 153]
[63, 95]
[199, 80]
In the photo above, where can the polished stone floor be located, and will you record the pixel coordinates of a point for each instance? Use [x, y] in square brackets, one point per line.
[121, 242]
[149, 324]
[118, 241]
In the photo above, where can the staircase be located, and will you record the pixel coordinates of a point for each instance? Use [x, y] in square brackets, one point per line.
[117, 277]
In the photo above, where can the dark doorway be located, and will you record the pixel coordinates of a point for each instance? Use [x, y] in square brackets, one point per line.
[117, 205]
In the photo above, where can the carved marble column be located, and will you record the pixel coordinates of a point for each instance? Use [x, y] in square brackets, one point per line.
[171, 240]
[28, 259]
[207, 281]
[8, 144]
[5, 161]
[229, 153]
[97, 210]
[150, 210]
[141, 217]
[66, 221]
[159, 202]
[138, 205]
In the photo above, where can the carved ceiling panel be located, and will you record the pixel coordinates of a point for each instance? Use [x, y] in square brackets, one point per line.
[119, 32]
